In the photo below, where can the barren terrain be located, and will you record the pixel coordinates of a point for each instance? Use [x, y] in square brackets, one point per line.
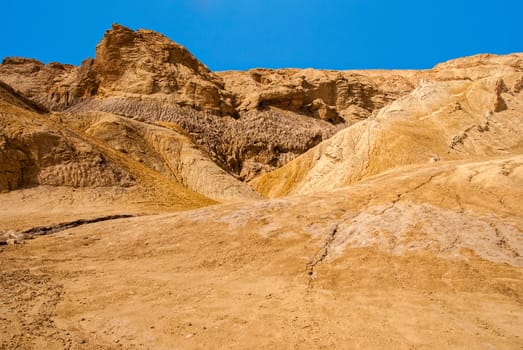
[149, 203]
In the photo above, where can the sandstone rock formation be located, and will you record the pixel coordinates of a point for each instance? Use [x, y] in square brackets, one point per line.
[126, 63]
[145, 62]
[36, 151]
[456, 113]
[100, 149]
[164, 148]
[334, 96]
[55, 86]
[9, 95]
[142, 74]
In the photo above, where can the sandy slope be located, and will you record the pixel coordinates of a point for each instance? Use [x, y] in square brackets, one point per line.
[384, 263]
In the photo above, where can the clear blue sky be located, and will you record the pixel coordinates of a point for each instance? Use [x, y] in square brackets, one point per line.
[242, 34]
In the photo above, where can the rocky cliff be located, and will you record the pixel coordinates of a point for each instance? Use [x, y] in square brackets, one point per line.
[104, 150]
[35, 150]
[241, 119]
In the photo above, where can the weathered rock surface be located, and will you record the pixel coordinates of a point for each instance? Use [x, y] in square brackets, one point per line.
[9, 95]
[142, 74]
[463, 113]
[259, 141]
[55, 86]
[239, 118]
[36, 151]
[334, 96]
[145, 63]
[100, 150]
[127, 63]
[165, 148]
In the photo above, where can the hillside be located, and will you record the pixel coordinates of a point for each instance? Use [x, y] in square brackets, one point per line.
[455, 113]
[364, 266]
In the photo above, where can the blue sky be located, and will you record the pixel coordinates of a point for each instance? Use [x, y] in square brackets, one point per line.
[242, 34]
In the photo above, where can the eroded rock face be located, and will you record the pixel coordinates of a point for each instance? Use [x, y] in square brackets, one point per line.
[145, 62]
[456, 113]
[334, 96]
[257, 142]
[126, 62]
[99, 149]
[250, 122]
[34, 151]
[163, 148]
[239, 118]
[55, 86]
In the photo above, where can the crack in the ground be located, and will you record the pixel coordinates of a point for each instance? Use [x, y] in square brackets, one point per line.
[45, 230]
[400, 195]
[19, 237]
[320, 255]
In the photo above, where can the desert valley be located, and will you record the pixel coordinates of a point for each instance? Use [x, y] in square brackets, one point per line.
[147, 202]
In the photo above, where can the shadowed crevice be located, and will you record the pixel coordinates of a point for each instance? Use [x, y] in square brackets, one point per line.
[45, 230]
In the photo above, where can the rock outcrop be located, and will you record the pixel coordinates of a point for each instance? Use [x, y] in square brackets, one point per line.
[147, 63]
[334, 96]
[36, 151]
[55, 86]
[143, 75]
[164, 148]
[104, 150]
[127, 63]
[9, 95]
[456, 113]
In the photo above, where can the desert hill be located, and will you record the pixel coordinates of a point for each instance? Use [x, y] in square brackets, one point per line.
[132, 212]
[248, 122]
[42, 160]
[462, 114]
[128, 165]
